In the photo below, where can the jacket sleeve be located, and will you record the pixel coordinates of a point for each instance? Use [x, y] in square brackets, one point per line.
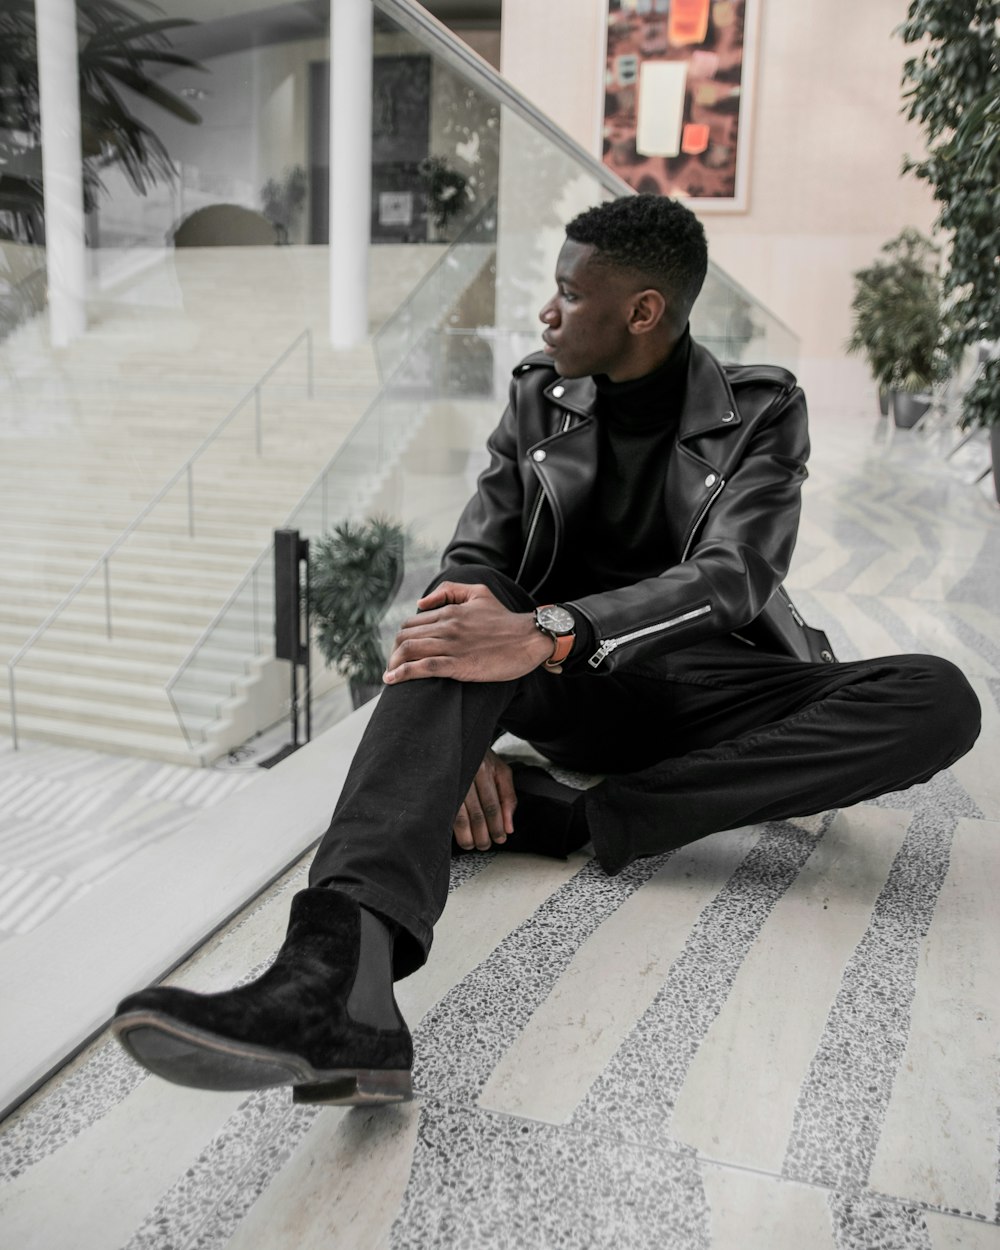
[736, 555]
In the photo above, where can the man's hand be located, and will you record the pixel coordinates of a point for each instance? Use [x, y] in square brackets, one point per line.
[465, 632]
[487, 815]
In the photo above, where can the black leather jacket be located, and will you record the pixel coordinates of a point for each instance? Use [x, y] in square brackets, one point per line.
[732, 489]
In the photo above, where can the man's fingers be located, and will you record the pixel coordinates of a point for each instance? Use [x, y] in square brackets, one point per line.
[506, 794]
[462, 829]
[473, 830]
[449, 592]
[414, 670]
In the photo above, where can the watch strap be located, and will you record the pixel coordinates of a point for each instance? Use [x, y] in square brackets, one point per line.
[563, 646]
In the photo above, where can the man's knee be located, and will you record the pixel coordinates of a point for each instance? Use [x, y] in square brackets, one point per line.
[509, 593]
[950, 702]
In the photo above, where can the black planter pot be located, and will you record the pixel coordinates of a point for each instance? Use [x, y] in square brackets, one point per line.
[363, 692]
[995, 450]
[907, 409]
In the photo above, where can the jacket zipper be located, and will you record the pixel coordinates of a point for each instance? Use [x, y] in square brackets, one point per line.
[612, 644]
[701, 516]
[531, 531]
[795, 613]
[536, 512]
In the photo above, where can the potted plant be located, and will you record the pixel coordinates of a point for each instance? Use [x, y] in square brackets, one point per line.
[283, 201]
[898, 324]
[445, 189]
[952, 91]
[981, 409]
[354, 575]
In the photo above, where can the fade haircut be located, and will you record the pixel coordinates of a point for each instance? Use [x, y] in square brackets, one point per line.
[658, 238]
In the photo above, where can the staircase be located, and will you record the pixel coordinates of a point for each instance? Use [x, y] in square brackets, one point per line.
[89, 434]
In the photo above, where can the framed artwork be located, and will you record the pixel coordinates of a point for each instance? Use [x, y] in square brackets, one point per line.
[677, 105]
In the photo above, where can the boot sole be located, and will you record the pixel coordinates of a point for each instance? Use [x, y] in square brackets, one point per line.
[189, 1056]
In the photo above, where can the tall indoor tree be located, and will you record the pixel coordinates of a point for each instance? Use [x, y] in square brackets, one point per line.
[122, 45]
[952, 89]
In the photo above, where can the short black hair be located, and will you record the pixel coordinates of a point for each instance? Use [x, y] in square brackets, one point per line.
[656, 236]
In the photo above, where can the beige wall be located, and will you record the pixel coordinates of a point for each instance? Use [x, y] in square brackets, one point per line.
[827, 135]
[553, 52]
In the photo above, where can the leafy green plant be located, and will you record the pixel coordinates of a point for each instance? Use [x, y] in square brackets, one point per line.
[118, 49]
[981, 402]
[283, 201]
[952, 90]
[354, 574]
[445, 189]
[898, 324]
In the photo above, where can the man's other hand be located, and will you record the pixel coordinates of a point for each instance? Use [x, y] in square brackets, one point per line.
[465, 632]
[487, 815]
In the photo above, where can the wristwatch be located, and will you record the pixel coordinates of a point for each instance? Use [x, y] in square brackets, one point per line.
[556, 621]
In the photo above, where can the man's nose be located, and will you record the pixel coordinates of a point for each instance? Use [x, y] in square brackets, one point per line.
[548, 314]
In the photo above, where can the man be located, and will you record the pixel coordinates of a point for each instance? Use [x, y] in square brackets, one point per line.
[611, 595]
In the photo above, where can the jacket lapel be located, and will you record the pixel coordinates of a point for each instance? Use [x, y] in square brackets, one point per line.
[709, 407]
[567, 465]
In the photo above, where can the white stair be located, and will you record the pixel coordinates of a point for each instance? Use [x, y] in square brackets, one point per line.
[89, 433]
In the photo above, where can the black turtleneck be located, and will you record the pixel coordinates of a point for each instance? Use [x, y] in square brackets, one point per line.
[621, 538]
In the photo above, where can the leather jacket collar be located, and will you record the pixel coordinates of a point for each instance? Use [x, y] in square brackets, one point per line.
[709, 405]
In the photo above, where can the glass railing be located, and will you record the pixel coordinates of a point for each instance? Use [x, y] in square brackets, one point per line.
[739, 329]
[469, 262]
[184, 499]
[445, 358]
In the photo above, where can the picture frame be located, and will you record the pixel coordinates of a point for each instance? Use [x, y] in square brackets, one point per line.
[678, 112]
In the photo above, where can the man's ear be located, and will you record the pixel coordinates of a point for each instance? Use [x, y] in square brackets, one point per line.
[647, 311]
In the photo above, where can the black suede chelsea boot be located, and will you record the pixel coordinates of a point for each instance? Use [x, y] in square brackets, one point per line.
[322, 1018]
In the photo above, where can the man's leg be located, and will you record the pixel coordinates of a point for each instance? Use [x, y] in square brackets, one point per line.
[323, 1018]
[748, 737]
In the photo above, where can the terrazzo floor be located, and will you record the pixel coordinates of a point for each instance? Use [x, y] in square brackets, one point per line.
[781, 1037]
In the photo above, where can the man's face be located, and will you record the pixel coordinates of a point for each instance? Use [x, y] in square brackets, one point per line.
[587, 319]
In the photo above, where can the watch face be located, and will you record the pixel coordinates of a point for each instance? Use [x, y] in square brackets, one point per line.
[556, 620]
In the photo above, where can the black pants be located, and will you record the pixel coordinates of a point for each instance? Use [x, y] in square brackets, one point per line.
[708, 738]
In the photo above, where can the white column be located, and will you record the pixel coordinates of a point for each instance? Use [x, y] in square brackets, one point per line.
[350, 168]
[62, 168]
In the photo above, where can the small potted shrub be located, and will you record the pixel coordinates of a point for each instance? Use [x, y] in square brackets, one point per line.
[981, 409]
[283, 201]
[899, 326]
[354, 575]
[445, 189]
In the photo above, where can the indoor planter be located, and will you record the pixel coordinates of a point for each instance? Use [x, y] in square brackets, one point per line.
[354, 575]
[898, 325]
[952, 91]
[282, 201]
[445, 189]
[981, 409]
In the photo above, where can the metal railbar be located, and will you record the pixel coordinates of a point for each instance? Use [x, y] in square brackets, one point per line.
[103, 561]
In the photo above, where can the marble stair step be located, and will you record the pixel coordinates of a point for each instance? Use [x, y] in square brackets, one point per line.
[169, 748]
[151, 716]
[91, 630]
[87, 685]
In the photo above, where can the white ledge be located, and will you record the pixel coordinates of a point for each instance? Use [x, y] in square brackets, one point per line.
[59, 984]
